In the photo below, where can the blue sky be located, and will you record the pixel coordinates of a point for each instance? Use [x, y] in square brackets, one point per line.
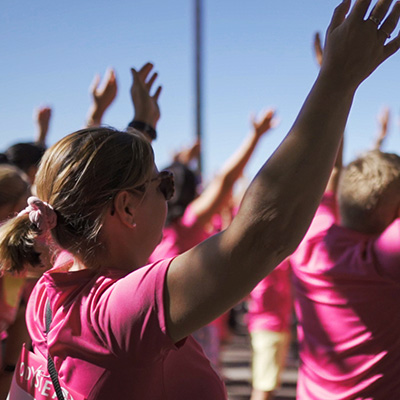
[258, 54]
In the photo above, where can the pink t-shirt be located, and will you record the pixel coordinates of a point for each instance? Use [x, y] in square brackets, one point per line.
[108, 337]
[270, 302]
[180, 236]
[347, 296]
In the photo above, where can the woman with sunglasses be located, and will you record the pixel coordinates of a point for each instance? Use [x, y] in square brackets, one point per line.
[120, 328]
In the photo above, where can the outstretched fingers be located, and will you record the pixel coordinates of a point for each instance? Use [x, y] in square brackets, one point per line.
[392, 47]
[379, 11]
[144, 71]
[157, 93]
[150, 82]
[143, 74]
[390, 23]
[263, 124]
[359, 9]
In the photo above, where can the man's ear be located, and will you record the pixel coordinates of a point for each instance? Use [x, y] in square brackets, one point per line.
[125, 207]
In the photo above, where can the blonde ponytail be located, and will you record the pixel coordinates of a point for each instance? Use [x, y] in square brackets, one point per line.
[17, 241]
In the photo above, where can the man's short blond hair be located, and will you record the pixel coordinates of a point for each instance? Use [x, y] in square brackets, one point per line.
[369, 192]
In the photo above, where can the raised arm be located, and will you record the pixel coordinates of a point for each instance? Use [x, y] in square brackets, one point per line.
[214, 196]
[102, 97]
[145, 105]
[383, 120]
[189, 154]
[281, 201]
[318, 48]
[42, 119]
[337, 168]
[333, 181]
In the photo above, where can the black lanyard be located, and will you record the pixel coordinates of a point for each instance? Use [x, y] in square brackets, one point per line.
[50, 363]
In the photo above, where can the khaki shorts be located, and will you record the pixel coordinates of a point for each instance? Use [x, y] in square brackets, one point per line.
[269, 354]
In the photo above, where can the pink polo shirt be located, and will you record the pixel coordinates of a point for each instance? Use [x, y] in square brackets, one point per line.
[347, 296]
[108, 336]
[270, 302]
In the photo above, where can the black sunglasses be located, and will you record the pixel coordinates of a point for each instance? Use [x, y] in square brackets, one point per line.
[166, 185]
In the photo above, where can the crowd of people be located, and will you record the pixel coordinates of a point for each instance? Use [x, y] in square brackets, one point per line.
[117, 278]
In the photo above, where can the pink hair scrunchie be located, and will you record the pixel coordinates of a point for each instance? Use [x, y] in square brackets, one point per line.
[41, 214]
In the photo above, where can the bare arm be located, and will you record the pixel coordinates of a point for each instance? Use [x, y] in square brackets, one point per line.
[281, 201]
[383, 119]
[337, 168]
[187, 155]
[42, 117]
[102, 97]
[219, 189]
[333, 181]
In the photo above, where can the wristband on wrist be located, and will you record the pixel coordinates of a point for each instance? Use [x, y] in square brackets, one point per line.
[145, 128]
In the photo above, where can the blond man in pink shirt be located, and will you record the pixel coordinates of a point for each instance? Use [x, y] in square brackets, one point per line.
[346, 276]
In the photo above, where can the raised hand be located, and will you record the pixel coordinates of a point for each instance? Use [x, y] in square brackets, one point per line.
[219, 190]
[42, 118]
[102, 96]
[383, 120]
[318, 48]
[187, 155]
[355, 46]
[146, 106]
[265, 123]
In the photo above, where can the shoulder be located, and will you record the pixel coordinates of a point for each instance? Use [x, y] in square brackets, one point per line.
[327, 212]
[325, 217]
[387, 250]
[141, 283]
[130, 310]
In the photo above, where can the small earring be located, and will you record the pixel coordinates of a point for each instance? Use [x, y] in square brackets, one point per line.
[134, 225]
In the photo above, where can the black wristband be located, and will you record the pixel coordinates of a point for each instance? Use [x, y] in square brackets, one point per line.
[145, 128]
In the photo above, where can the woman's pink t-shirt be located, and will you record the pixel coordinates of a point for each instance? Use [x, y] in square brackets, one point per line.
[108, 336]
[347, 296]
